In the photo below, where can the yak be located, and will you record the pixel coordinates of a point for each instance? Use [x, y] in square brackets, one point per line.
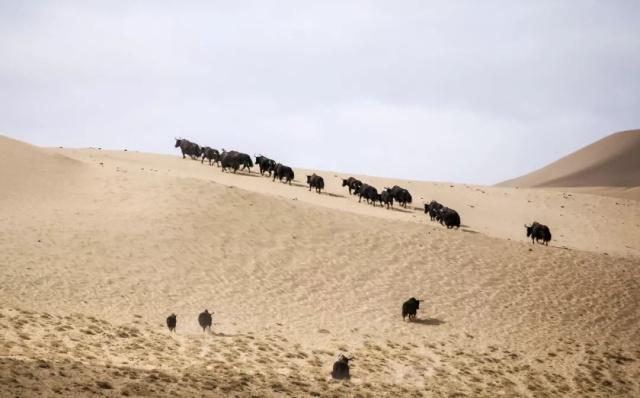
[211, 154]
[188, 148]
[410, 308]
[353, 185]
[171, 322]
[265, 164]
[235, 159]
[283, 172]
[205, 320]
[538, 232]
[401, 195]
[369, 193]
[449, 218]
[341, 368]
[386, 198]
[315, 181]
[432, 209]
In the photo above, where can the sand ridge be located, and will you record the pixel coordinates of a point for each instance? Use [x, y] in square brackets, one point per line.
[610, 165]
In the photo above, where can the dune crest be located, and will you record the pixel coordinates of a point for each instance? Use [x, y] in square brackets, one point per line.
[610, 165]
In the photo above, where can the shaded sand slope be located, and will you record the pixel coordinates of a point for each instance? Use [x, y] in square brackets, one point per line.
[612, 162]
[27, 171]
[91, 271]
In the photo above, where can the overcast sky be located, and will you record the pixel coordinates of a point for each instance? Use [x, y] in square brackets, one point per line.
[465, 91]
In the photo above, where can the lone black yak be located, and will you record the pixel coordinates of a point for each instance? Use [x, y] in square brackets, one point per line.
[410, 308]
[205, 320]
[171, 322]
[341, 368]
[538, 232]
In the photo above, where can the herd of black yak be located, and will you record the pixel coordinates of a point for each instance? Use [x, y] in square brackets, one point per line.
[234, 161]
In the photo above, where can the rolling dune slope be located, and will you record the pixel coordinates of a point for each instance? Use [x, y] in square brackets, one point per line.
[116, 241]
[612, 162]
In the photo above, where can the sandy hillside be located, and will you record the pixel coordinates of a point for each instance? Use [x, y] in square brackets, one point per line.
[98, 247]
[610, 166]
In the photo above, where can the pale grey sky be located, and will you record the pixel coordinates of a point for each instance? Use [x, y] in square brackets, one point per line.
[466, 91]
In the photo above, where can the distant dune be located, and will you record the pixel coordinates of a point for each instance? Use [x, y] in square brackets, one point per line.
[609, 166]
[98, 247]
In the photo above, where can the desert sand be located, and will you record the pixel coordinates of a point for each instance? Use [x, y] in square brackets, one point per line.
[98, 247]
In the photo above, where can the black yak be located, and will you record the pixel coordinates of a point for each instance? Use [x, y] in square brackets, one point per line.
[265, 164]
[538, 232]
[234, 159]
[283, 172]
[205, 320]
[386, 198]
[369, 193]
[401, 195]
[188, 148]
[341, 368]
[410, 308]
[171, 322]
[210, 154]
[353, 185]
[315, 181]
[432, 209]
[449, 218]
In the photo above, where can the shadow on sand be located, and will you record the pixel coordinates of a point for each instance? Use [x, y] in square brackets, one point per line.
[401, 210]
[428, 321]
[220, 334]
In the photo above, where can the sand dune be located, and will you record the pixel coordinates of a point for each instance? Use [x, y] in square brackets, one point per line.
[610, 166]
[116, 241]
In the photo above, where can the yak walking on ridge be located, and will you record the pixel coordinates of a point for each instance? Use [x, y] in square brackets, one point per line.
[538, 232]
[315, 181]
[210, 154]
[353, 185]
[265, 164]
[188, 148]
[283, 172]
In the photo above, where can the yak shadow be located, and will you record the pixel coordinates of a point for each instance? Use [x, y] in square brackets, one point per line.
[249, 174]
[334, 195]
[428, 321]
[470, 231]
[242, 173]
[401, 210]
[297, 184]
[220, 334]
